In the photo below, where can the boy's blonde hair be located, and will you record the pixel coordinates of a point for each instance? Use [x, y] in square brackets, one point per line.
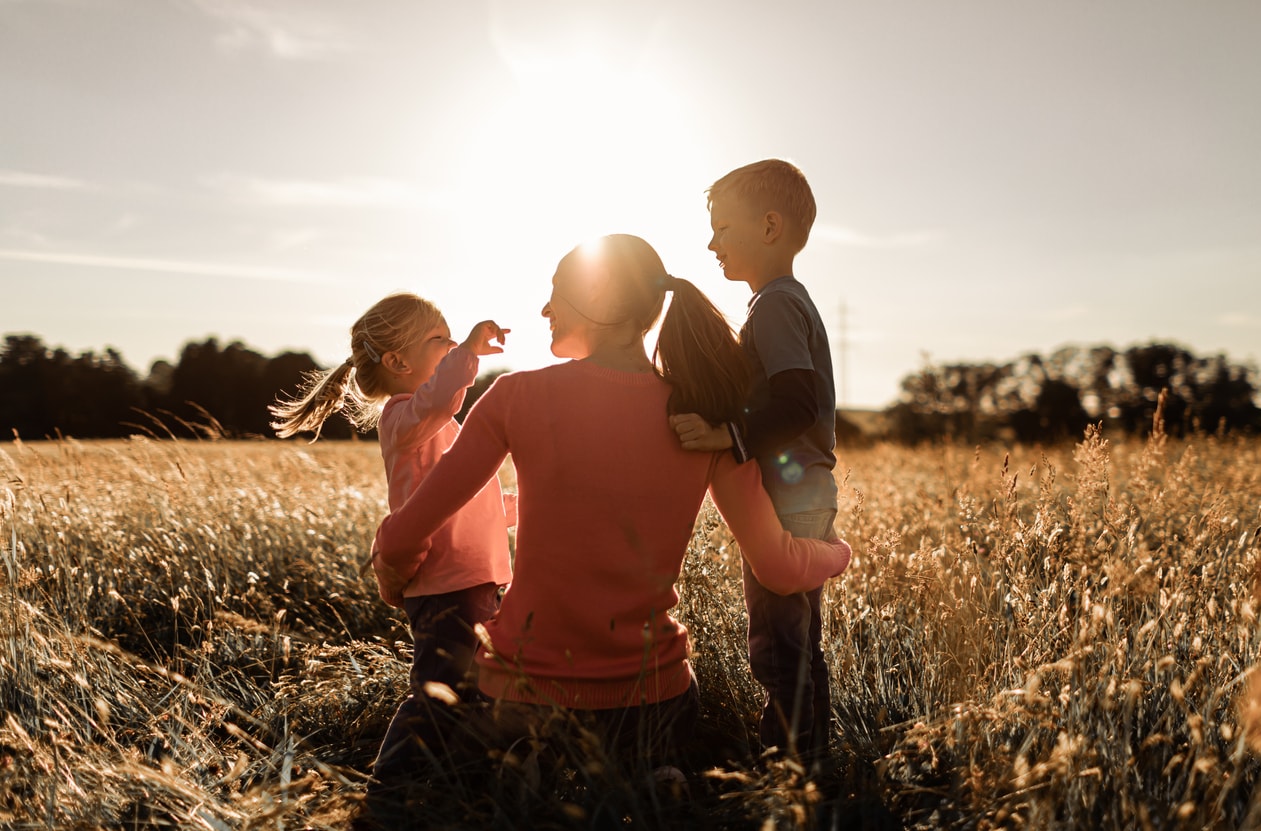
[771, 185]
[357, 386]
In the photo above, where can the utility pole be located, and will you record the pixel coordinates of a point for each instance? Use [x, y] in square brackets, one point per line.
[842, 350]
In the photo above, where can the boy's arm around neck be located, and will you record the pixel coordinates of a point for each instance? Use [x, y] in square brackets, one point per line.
[791, 410]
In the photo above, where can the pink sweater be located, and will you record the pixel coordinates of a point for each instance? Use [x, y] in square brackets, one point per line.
[415, 430]
[607, 501]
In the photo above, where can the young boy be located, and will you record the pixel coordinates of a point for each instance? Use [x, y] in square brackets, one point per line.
[761, 216]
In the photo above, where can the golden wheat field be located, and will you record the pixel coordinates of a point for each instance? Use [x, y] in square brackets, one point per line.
[1027, 638]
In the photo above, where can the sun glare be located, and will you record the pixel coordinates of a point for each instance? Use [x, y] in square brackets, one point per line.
[589, 135]
[582, 145]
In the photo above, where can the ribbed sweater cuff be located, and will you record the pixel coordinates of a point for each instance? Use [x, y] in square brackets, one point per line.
[508, 684]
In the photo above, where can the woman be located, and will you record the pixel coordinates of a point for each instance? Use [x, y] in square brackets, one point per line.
[607, 498]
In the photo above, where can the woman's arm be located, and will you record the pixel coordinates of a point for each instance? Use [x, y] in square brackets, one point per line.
[783, 563]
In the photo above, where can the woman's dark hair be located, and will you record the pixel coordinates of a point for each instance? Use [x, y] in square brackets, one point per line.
[698, 355]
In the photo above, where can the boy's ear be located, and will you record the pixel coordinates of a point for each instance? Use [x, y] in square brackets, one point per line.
[772, 226]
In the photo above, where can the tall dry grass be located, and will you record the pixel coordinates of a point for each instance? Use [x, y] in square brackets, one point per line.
[1027, 638]
[185, 641]
[1053, 639]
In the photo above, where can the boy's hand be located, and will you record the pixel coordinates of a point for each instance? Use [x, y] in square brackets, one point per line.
[479, 340]
[695, 433]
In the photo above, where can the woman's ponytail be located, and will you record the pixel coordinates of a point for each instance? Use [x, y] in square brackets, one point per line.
[700, 357]
[696, 352]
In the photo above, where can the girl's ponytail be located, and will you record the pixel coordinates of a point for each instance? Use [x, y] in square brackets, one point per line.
[700, 357]
[322, 394]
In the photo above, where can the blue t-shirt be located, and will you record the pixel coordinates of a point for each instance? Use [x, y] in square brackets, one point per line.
[784, 331]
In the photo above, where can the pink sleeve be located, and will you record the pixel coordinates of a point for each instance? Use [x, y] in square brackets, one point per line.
[402, 540]
[510, 508]
[421, 416]
[783, 563]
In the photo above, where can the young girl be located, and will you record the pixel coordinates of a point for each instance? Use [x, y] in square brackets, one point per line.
[408, 378]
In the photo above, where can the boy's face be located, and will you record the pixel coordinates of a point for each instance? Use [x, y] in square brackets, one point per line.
[739, 234]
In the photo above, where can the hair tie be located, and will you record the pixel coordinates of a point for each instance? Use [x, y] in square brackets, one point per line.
[372, 353]
[670, 283]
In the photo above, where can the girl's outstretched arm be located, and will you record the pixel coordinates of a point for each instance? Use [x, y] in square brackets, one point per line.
[438, 400]
[417, 419]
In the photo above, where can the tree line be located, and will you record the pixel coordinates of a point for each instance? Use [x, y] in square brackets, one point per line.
[223, 391]
[212, 390]
[1045, 398]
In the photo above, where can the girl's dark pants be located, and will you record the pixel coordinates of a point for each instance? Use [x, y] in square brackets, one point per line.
[442, 631]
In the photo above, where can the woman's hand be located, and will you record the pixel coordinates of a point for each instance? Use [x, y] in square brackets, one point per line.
[390, 583]
[843, 549]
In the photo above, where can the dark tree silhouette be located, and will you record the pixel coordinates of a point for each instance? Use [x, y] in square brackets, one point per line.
[1057, 413]
[47, 392]
[224, 383]
[1048, 399]
[234, 385]
[213, 390]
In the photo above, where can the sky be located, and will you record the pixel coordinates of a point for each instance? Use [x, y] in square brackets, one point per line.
[993, 178]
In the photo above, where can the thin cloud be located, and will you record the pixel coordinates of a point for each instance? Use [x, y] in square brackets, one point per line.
[185, 267]
[342, 193]
[841, 235]
[287, 34]
[21, 179]
[1065, 313]
[1240, 319]
[20, 235]
[289, 240]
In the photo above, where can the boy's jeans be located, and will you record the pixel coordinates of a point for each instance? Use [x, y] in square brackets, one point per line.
[786, 653]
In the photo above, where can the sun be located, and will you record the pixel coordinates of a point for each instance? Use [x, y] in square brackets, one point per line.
[587, 140]
[585, 132]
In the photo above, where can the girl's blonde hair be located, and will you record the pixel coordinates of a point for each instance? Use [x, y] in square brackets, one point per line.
[357, 386]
